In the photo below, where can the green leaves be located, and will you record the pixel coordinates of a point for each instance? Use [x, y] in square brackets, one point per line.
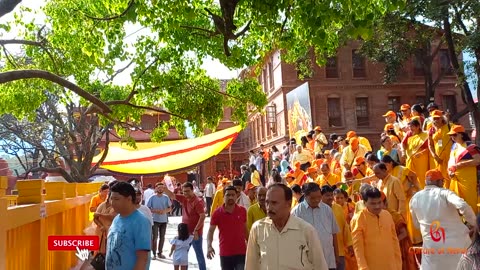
[165, 43]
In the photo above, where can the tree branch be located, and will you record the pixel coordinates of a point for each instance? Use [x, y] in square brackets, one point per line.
[284, 23]
[210, 32]
[215, 91]
[7, 6]
[20, 42]
[118, 72]
[113, 17]
[31, 43]
[8, 57]
[244, 30]
[16, 75]
[105, 151]
[126, 103]
[458, 18]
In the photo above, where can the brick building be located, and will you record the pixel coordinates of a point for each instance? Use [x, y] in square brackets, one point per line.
[347, 94]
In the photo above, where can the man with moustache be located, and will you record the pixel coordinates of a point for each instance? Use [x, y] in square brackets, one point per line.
[231, 221]
[282, 241]
[258, 210]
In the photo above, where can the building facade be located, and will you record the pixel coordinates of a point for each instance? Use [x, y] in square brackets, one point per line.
[348, 93]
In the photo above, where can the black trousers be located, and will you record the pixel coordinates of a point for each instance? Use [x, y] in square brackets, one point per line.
[158, 229]
[235, 262]
[176, 209]
[209, 201]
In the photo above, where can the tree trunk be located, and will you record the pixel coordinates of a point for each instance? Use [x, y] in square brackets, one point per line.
[463, 84]
[36, 155]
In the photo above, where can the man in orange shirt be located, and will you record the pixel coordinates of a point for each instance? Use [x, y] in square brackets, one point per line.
[327, 177]
[99, 198]
[374, 236]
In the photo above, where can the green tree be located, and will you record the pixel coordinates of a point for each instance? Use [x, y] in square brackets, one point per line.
[455, 17]
[81, 44]
[398, 39]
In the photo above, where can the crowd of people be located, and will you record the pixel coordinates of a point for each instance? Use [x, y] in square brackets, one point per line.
[325, 204]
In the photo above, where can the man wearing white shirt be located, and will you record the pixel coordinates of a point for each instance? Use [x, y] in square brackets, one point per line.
[436, 211]
[304, 157]
[242, 198]
[209, 193]
[148, 193]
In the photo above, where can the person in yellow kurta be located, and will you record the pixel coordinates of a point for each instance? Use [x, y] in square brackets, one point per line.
[341, 199]
[218, 198]
[326, 177]
[462, 166]
[255, 176]
[415, 145]
[362, 140]
[440, 144]
[391, 186]
[344, 235]
[408, 259]
[410, 185]
[258, 210]
[374, 236]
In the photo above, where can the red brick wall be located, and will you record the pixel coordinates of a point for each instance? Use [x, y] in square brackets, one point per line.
[347, 88]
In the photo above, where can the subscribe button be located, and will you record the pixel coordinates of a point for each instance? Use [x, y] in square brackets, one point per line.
[71, 242]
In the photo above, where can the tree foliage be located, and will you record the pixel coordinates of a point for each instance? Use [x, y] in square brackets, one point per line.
[397, 39]
[84, 46]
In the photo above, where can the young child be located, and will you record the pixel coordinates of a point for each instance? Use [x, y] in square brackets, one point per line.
[180, 246]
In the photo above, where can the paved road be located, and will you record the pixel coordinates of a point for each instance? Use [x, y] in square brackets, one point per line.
[192, 259]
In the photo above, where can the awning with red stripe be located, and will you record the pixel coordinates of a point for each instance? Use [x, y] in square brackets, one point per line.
[167, 156]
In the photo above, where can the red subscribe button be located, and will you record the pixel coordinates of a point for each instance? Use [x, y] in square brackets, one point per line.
[71, 242]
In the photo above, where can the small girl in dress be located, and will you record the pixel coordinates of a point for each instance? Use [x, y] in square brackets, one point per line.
[180, 246]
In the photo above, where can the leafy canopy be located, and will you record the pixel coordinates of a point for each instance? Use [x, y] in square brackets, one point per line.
[89, 42]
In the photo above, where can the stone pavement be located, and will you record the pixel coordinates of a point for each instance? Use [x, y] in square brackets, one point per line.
[192, 259]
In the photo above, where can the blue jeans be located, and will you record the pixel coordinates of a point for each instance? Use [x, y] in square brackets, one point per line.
[197, 246]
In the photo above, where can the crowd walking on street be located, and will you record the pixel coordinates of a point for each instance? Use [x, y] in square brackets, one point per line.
[317, 205]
